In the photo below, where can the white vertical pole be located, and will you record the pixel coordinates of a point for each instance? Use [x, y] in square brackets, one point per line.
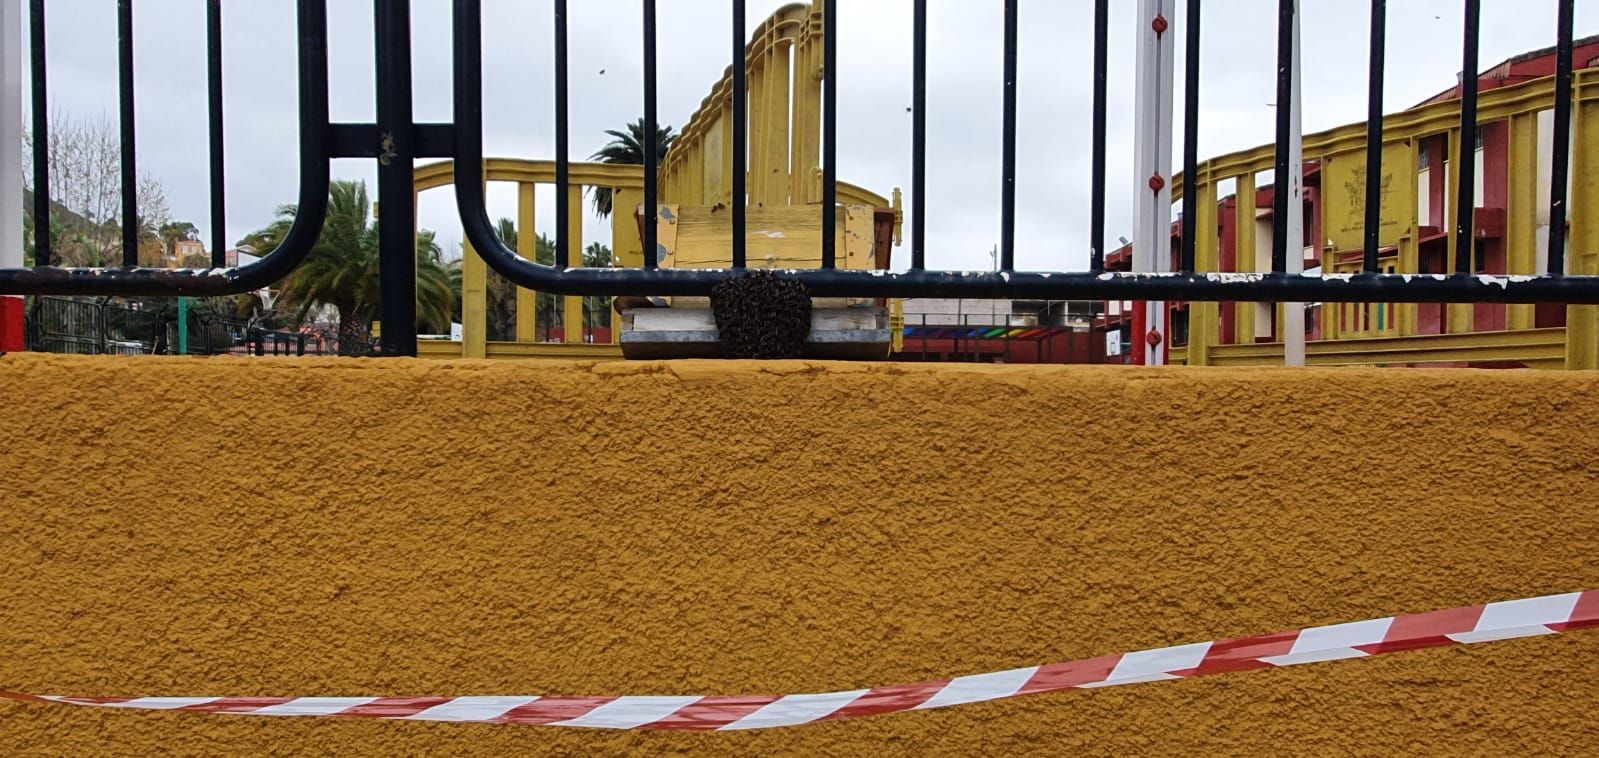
[1294, 313]
[11, 133]
[1152, 137]
[11, 308]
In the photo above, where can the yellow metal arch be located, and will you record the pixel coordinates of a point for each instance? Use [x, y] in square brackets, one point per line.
[628, 184]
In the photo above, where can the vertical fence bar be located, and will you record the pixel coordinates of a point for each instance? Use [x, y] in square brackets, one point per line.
[43, 255]
[1374, 125]
[1560, 173]
[740, 195]
[130, 175]
[563, 167]
[652, 160]
[1096, 212]
[1466, 197]
[1293, 318]
[1007, 206]
[219, 206]
[1281, 181]
[567, 254]
[396, 177]
[919, 136]
[1191, 230]
[829, 132]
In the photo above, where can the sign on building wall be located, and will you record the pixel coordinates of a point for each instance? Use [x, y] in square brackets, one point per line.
[1343, 190]
[1113, 342]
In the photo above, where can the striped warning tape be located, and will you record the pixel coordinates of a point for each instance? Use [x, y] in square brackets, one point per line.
[1471, 624]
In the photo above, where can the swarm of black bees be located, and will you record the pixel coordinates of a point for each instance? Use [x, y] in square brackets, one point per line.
[762, 315]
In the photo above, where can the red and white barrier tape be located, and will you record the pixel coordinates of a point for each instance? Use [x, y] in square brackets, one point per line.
[1471, 624]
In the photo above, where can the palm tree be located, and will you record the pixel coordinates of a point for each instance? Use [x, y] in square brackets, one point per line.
[341, 271]
[628, 148]
[597, 308]
[435, 297]
[501, 296]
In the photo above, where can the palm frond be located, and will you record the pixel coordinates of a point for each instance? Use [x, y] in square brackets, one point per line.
[627, 147]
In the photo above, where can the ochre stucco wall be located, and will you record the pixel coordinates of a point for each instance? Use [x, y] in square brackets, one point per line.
[298, 527]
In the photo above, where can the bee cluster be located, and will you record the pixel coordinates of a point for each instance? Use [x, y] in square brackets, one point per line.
[762, 315]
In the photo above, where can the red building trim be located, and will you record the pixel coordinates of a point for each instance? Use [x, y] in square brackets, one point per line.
[11, 320]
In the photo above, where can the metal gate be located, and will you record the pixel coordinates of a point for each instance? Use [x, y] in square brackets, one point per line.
[64, 325]
[88, 327]
[396, 141]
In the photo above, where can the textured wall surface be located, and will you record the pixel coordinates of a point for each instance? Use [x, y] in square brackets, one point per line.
[299, 527]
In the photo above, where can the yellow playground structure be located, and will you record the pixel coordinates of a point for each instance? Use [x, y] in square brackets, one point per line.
[784, 185]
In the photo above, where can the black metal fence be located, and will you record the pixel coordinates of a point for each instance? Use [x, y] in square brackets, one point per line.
[60, 325]
[97, 326]
[396, 140]
[92, 327]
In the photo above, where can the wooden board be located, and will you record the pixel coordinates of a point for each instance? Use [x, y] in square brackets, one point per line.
[782, 237]
[787, 237]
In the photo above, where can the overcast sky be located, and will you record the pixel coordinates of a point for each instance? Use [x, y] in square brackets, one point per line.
[874, 136]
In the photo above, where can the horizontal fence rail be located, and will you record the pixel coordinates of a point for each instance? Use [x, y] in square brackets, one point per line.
[396, 140]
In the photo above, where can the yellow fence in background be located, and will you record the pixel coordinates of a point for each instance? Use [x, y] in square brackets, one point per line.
[1533, 348]
[1341, 151]
[628, 184]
